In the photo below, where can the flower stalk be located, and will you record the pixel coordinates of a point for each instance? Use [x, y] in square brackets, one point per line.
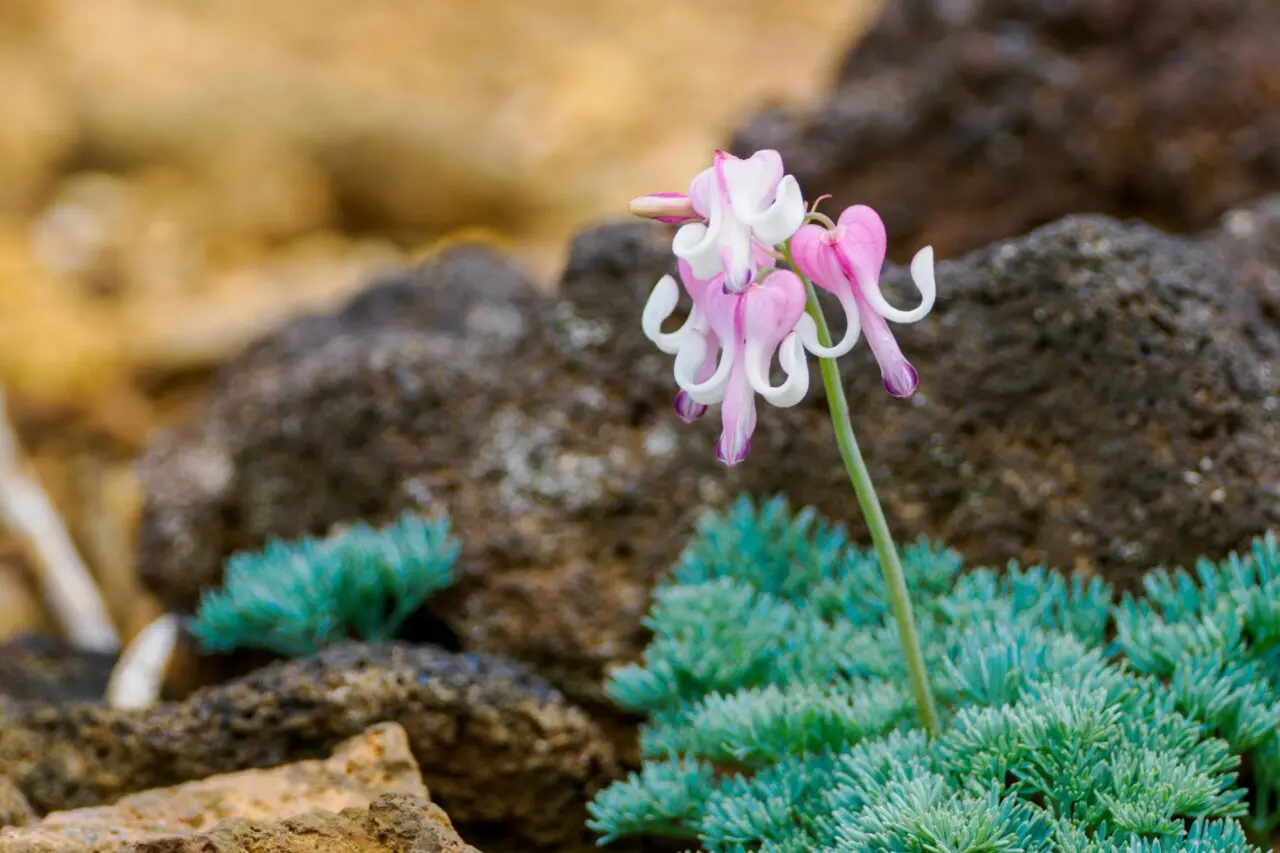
[881, 539]
[738, 219]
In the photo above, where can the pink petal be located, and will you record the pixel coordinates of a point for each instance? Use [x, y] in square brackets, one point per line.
[771, 309]
[738, 417]
[813, 249]
[862, 238]
[900, 378]
[694, 286]
[723, 309]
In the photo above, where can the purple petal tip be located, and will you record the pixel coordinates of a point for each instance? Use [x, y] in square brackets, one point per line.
[688, 410]
[903, 382]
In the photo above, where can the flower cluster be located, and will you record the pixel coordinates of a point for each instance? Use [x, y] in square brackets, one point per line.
[739, 219]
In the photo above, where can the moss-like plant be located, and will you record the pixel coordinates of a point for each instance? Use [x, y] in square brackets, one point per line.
[780, 720]
[295, 598]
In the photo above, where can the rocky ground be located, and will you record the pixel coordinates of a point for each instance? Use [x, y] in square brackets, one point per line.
[1099, 391]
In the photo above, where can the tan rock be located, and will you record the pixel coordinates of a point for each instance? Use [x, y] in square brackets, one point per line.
[360, 769]
[21, 610]
[394, 823]
[14, 808]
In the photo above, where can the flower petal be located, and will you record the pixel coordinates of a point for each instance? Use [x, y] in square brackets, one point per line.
[862, 229]
[862, 245]
[776, 223]
[808, 330]
[900, 378]
[791, 357]
[662, 302]
[687, 409]
[695, 351]
[738, 420]
[664, 207]
[752, 183]
[771, 309]
[697, 244]
[736, 253]
[696, 287]
[814, 253]
[700, 191]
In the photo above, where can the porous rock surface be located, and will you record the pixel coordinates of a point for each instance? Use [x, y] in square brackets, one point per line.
[394, 823]
[967, 121]
[361, 769]
[1094, 394]
[495, 743]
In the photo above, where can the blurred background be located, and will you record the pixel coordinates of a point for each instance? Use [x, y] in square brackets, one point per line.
[179, 176]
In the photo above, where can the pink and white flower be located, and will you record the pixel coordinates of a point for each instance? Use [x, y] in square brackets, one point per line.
[846, 260]
[745, 312]
[726, 347]
[730, 206]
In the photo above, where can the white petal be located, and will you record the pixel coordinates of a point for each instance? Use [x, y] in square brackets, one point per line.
[791, 357]
[922, 275]
[697, 244]
[693, 352]
[782, 219]
[753, 182]
[662, 302]
[808, 330]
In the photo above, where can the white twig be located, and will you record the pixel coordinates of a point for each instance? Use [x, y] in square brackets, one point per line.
[65, 582]
[139, 674]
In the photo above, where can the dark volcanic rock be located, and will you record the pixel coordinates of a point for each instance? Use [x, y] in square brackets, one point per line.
[495, 743]
[967, 122]
[1094, 394]
[46, 669]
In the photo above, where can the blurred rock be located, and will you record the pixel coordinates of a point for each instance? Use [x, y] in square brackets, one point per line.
[160, 206]
[41, 668]
[361, 125]
[360, 770]
[1095, 394]
[21, 611]
[495, 744]
[967, 122]
[14, 808]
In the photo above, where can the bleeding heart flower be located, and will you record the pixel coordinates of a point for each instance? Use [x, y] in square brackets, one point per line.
[846, 260]
[726, 346]
[731, 206]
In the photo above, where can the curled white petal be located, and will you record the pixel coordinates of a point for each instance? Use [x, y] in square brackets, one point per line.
[699, 245]
[780, 220]
[808, 331]
[662, 302]
[693, 352]
[922, 275]
[791, 357]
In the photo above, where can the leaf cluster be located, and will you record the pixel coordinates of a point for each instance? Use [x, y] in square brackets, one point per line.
[778, 718]
[295, 598]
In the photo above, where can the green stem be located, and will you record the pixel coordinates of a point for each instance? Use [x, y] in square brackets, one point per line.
[874, 514]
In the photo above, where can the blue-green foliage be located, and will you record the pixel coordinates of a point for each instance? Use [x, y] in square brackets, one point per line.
[297, 597]
[778, 718]
[1214, 635]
